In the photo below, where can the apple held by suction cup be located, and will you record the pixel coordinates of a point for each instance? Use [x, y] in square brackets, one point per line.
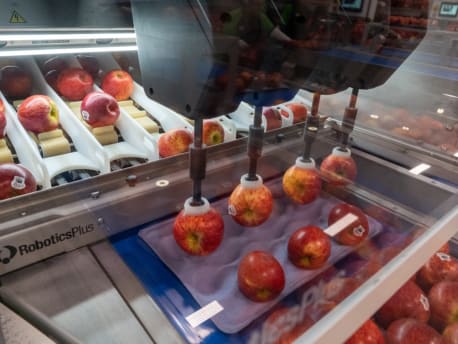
[251, 202]
[198, 229]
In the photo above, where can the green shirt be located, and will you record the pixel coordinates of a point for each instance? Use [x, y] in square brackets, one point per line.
[246, 28]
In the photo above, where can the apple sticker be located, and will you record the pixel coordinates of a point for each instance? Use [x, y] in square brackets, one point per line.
[232, 210]
[18, 183]
[443, 256]
[359, 231]
[85, 115]
[424, 301]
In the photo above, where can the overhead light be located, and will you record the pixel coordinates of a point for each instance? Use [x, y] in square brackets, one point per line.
[405, 128]
[68, 36]
[449, 95]
[440, 111]
[456, 154]
[373, 116]
[419, 169]
[69, 50]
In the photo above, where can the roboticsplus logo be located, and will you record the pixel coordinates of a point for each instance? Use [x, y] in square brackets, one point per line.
[8, 252]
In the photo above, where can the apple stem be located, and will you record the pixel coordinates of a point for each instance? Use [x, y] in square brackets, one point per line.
[198, 162]
[255, 143]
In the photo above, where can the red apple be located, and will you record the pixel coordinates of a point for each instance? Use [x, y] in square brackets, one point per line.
[89, 64]
[450, 334]
[15, 180]
[260, 276]
[212, 132]
[339, 168]
[198, 230]
[38, 113]
[2, 120]
[251, 202]
[438, 268]
[353, 233]
[368, 333]
[273, 118]
[443, 298]
[411, 331]
[15, 82]
[408, 302]
[74, 83]
[99, 109]
[119, 84]
[302, 182]
[309, 247]
[339, 288]
[173, 142]
[299, 112]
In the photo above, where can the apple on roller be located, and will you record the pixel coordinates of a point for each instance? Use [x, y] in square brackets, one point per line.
[99, 109]
[118, 83]
[213, 132]
[74, 83]
[173, 142]
[15, 82]
[15, 180]
[38, 114]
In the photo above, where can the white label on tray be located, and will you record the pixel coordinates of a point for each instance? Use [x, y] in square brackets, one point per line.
[341, 224]
[205, 313]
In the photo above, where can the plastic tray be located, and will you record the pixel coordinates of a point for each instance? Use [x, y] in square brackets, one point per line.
[215, 277]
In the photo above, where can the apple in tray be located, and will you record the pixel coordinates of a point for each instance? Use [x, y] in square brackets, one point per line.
[198, 230]
[15, 82]
[260, 276]
[212, 132]
[309, 248]
[299, 112]
[408, 302]
[368, 333]
[74, 83]
[354, 232]
[450, 334]
[118, 83]
[99, 109]
[412, 331]
[173, 142]
[251, 202]
[38, 113]
[439, 267]
[443, 298]
[339, 168]
[273, 118]
[302, 182]
[15, 180]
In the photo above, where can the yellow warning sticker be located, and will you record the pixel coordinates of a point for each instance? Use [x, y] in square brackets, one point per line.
[16, 18]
